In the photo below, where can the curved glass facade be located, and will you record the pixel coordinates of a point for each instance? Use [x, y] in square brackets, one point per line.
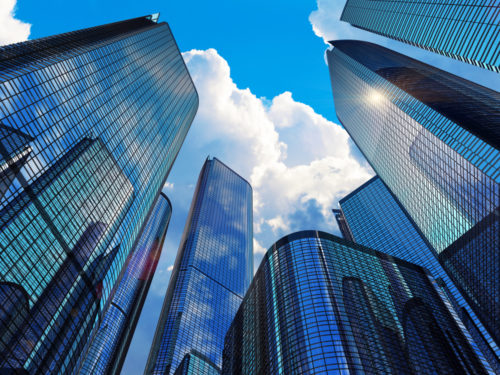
[467, 30]
[211, 273]
[110, 345]
[375, 219]
[90, 124]
[443, 166]
[319, 304]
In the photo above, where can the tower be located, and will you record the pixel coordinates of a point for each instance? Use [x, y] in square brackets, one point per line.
[212, 271]
[91, 123]
[433, 139]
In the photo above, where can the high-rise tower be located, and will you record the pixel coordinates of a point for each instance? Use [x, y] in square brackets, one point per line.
[319, 304]
[110, 345]
[90, 124]
[374, 218]
[467, 30]
[211, 274]
[433, 138]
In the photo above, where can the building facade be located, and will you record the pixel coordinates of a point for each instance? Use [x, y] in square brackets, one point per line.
[342, 224]
[211, 274]
[433, 138]
[90, 124]
[375, 219]
[110, 345]
[196, 364]
[319, 304]
[467, 30]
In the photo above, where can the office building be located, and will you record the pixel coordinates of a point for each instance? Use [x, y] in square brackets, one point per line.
[342, 224]
[433, 139]
[196, 364]
[319, 304]
[110, 346]
[91, 122]
[467, 30]
[211, 273]
[374, 218]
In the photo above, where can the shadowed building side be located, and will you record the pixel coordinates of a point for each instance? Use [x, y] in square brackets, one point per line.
[110, 346]
[377, 220]
[319, 304]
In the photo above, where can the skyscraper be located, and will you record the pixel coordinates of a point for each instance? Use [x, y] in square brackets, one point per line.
[342, 224]
[91, 122]
[433, 138]
[374, 218]
[211, 273]
[110, 346]
[196, 364]
[467, 30]
[319, 304]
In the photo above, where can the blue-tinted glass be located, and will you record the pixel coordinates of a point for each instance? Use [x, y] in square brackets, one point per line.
[110, 345]
[443, 166]
[195, 363]
[90, 124]
[319, 304]
[375, 219]
[467, 30]
[211, 274]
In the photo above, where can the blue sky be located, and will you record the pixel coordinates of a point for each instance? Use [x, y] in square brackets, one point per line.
[266, 109]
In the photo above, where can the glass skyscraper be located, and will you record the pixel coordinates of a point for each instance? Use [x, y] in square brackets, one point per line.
[319, 304]
[467, 30]
[433, 138]
[211, 274]
[90, 124]
[196, 364]
[110, 346]
[373, 218]
[342, 224]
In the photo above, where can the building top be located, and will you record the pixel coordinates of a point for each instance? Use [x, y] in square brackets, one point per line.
[18, 58]
[472, 106]
[358, 189]
[463, 30]
[330, 237]
[231, 169]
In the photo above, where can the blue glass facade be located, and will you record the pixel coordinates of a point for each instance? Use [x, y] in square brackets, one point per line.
[375, 219]
[196, 364]
[90, 124]
[319, 304]
[467, 30]
[433, 139]
[211, 273]
[110, 346]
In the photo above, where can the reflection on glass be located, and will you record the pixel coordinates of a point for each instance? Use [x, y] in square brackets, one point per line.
[343, 308]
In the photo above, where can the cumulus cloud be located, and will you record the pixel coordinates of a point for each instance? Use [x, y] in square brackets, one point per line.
[257, 247]
[325, 20]
[11, 29]
[298, 163]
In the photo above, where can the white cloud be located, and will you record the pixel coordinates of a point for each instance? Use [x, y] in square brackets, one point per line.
[298, 163]
[170, 268]
[11, 29]
[325, 20]
[169, 186]
[257, 248]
